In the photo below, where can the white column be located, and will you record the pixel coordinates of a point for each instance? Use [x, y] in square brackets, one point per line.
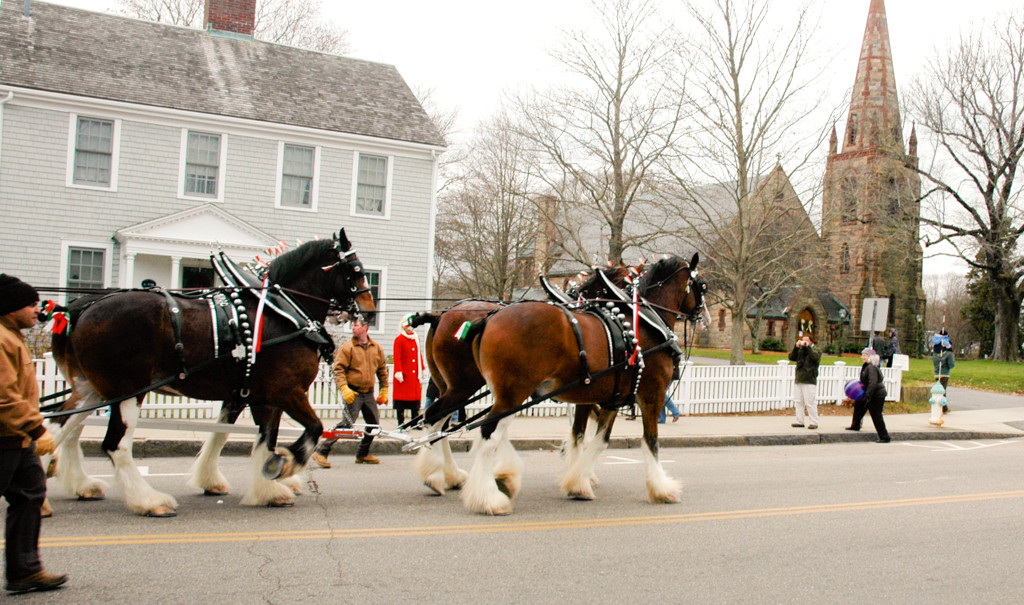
[128, 281]
[175, 272]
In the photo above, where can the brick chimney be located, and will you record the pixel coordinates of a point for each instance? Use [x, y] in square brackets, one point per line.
[233, 16]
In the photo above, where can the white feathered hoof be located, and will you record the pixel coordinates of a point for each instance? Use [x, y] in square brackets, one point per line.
[492, 503]
[91, 494]
[578, 488]
[430, 467]
[666, 491]
[509, 484]
[455, 478]
[293, 483]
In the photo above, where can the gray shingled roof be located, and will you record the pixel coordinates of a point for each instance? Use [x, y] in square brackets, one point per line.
[89, 54]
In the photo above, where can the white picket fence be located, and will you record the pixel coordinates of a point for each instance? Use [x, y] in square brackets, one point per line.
[701, 390]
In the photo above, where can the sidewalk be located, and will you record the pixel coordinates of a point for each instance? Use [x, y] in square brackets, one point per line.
[690, 431]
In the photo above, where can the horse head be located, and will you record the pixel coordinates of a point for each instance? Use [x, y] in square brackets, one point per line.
[329, 273]
[357, 298]
[671, 285]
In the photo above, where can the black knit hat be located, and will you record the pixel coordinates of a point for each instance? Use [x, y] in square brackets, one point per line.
[15, 294]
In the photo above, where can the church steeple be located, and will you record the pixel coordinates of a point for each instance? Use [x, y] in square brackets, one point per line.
[874, 121]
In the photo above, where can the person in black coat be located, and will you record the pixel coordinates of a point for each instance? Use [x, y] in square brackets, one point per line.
[873, 399]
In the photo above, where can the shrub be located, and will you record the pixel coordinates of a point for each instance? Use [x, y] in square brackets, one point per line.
[772, 344]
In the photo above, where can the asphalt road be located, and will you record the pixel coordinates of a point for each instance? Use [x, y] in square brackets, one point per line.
[922, 522]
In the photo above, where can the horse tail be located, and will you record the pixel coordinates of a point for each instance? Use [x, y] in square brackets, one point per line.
[425, 317]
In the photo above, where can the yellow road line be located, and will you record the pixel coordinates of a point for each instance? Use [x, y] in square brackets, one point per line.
[564, 524]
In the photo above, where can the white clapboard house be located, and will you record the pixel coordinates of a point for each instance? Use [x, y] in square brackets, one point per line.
[130, 150]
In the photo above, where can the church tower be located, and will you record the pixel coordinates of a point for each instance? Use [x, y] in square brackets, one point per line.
[870, 202]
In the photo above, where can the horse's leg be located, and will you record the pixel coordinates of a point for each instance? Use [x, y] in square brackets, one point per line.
[571, 482]
[602, 437]
[454, 476]
[205, 472]
[579, 479]
[430, 461]
[480, 494]
[70, 470]
[508, 467]
[660, 487]
[264, 490]
[138, 494]
[289, 476]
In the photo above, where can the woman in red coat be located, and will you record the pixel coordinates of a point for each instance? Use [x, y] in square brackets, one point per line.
[409, 373]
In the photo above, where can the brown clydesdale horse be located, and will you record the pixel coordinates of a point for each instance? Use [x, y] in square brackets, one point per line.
[123, 343]
[454, 371]
[530, 349]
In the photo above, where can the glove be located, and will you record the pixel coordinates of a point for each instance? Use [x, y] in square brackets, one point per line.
[383, 397]
[45, 444]
[348, 395]
[399, 377]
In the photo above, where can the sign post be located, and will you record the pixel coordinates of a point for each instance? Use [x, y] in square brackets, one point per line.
[873, 316]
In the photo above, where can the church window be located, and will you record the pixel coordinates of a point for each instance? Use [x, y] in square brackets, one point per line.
[893, 195]
[892, 309]
[844, 259]
[852, 129]
[721, 320]
[849, 200]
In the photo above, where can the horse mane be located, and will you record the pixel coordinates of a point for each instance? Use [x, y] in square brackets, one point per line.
[284, 268]
[662, 270]
[595, 275]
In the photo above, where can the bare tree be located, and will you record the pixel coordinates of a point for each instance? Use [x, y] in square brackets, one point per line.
[972, 103]
[600, 134]
[948, 297]
[292, 22]
[486, 226]
[750, 87]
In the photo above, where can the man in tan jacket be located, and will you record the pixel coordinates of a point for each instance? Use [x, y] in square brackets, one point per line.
[356, 363]
[22, 439]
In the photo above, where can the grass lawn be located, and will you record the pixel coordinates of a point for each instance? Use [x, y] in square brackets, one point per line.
[982, 374]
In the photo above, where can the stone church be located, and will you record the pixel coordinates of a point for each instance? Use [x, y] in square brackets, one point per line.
[869, 240]
[871, 194]
[870, 220]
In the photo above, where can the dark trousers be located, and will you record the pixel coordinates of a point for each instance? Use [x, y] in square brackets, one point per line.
[23, 485]
[365, 403]
[874, 407]
[402, 406]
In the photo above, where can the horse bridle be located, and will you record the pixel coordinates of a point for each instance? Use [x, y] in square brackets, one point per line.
[699, 285]
[353, 271]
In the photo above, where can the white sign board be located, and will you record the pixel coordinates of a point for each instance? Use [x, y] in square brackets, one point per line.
[901, 362]
[874, 314]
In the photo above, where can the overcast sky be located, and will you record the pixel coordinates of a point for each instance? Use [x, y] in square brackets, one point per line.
[471, 52]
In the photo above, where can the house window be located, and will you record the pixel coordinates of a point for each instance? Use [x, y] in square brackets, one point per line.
[721, 320]
[373, 283]
[892, 310]
[771, 328]
[202, 165]
[372, 185]
[85, 269]
[844, 259]
[298, 166]
[94, 151]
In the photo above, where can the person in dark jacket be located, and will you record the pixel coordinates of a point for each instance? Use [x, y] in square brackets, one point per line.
[873, 399]
[805, 391]
[23, 437]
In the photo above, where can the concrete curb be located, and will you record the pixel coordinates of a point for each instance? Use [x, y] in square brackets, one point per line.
[161, 448]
